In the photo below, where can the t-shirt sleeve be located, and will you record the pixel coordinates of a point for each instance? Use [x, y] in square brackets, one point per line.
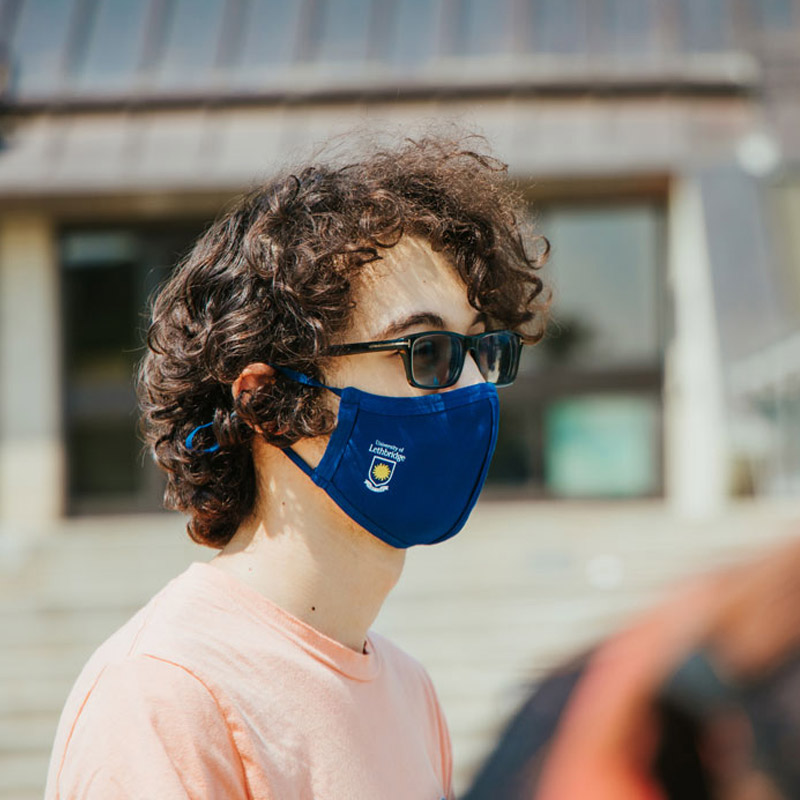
[149, 729]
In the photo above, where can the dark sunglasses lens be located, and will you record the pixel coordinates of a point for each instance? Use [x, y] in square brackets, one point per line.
[435, 360]
[498, 357]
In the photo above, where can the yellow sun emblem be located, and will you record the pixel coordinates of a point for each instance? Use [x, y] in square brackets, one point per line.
[381, 472]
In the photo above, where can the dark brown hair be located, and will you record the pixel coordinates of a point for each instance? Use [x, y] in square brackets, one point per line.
[270, 282]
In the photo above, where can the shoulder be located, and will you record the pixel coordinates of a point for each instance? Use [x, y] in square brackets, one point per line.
[144, 694]
[163, 651]
[400, 663]
[189, 623]
[404, 670]
[150, 684]
[394, 655]
[143, 715]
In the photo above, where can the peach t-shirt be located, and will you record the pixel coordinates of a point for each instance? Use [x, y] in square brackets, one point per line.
[212, 691]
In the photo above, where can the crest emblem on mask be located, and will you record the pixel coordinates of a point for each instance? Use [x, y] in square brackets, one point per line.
[380, 473]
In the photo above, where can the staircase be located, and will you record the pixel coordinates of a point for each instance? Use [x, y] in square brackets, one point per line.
[522, 587]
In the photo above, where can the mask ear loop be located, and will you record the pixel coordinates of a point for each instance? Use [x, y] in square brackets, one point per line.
[190, 441]
[298, 377]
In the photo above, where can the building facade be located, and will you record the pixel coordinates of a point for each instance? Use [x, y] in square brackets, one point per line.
[657, 140]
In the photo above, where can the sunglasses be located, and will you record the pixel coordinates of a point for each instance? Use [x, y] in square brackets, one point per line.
[435, 359]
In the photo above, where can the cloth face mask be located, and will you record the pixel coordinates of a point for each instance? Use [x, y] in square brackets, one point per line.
[408, 469]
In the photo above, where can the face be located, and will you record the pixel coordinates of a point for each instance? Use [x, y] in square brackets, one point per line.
[411, 290]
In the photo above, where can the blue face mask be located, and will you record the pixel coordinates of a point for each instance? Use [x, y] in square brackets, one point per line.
[408, 469]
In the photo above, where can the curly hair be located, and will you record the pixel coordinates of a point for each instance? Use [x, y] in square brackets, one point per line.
[270, 281]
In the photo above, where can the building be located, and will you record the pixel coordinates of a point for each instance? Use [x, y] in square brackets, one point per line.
[657, 140]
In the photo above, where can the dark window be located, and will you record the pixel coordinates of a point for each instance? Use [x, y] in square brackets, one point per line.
[107, 277]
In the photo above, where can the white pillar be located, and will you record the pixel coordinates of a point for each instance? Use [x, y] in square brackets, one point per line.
[696, 457]
[31, 442]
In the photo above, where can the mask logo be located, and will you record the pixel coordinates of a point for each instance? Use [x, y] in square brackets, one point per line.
[385, 457]
[380, 473]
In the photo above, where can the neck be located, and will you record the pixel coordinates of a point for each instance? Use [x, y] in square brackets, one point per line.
[304, 554]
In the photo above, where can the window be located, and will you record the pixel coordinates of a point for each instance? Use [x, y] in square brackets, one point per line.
[584, 417]
[602, 445]
[607, 292]
[106, 279]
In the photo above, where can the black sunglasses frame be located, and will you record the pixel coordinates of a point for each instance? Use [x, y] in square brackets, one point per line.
[404, 346]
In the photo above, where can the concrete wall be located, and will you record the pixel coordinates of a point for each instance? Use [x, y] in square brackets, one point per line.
[31, 442]
[695, 438]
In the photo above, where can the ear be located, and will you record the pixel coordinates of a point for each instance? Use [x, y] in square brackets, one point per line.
[253, 377]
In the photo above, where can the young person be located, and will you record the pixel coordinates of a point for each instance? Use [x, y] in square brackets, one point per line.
[320, 389]
[697, 698]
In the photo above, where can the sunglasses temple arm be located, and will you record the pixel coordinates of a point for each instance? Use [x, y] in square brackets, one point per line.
[366, 347]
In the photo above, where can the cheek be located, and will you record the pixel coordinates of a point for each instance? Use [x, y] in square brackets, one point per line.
[372, 372]
[311, 450]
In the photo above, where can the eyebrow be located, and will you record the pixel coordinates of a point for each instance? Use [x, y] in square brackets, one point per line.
[396, 328]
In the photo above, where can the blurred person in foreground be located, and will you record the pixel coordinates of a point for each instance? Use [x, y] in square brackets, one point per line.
[320, 389]
[697, 699]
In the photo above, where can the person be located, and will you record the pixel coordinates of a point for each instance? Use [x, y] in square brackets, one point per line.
[699, 697]
[320, 389]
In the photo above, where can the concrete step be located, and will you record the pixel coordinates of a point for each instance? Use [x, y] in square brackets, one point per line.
[33, 696]
[27, 732]
[23, 775]
[62, 627]
[43, 660]
[523, 587]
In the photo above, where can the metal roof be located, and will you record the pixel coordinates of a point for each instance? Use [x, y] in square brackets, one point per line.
[96, 51]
